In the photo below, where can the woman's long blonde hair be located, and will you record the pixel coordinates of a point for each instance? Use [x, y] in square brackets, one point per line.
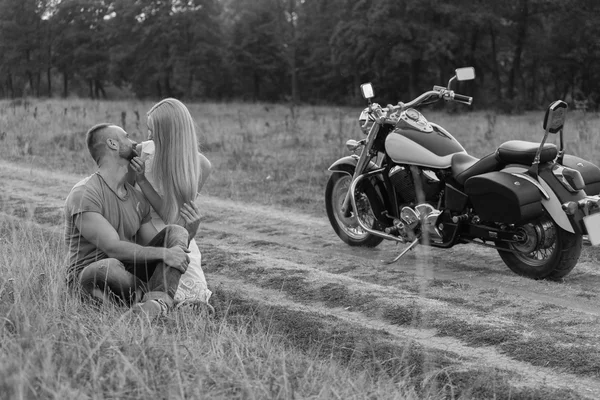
[176, 163]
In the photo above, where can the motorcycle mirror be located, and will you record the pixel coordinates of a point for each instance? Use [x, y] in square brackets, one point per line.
[367, 90]
[554, 119]
[465, 74]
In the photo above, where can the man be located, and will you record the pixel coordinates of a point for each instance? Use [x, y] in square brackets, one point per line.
[115, 253]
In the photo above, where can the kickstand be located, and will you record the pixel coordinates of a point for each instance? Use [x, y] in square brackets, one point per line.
[410, 247]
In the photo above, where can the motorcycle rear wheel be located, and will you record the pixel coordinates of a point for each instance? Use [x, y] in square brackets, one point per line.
[549, 252]
[347, 228]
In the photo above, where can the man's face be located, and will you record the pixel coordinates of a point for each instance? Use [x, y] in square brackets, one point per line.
[126, 145]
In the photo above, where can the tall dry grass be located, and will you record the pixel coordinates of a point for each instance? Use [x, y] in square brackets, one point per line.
[266, 153]
[52, 345]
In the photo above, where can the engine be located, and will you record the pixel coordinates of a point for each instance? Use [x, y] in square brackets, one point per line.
[403, 182]
[417, 222]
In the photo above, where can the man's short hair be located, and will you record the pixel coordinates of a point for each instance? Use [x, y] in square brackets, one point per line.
[95, 140]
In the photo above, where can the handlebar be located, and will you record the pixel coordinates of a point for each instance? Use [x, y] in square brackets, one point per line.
[463, 99]
[383, 114]
[420, 99]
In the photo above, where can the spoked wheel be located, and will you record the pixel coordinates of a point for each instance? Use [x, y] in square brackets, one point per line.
[347, 227]
[544, 251]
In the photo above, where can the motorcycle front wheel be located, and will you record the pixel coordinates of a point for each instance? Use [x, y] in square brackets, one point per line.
[547, 251]
[348, 228]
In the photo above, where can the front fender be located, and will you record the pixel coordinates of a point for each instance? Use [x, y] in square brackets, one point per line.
[374, 188]
[348, 165]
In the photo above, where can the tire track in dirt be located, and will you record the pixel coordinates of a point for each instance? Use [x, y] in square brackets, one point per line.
[495, 276]
[272, 249]
[470, 358]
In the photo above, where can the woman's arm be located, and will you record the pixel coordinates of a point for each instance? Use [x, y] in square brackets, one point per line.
[205, 168]
[155, 200]
[153, 197]
[189, 217]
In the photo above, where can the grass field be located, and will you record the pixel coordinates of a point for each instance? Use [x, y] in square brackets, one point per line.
[55, 346]
[265, 153]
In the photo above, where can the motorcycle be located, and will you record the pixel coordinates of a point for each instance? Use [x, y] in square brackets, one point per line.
[410, 181]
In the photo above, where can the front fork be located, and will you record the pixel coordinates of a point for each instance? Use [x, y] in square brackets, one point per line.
[363, 161]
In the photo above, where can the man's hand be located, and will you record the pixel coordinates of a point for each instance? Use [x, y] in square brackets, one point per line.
[190, 214]
[176, 257]
[139, 167]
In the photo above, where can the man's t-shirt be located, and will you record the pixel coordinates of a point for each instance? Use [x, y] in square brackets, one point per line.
[126, 214]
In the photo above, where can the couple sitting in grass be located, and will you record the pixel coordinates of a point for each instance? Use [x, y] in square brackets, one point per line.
[130, 227]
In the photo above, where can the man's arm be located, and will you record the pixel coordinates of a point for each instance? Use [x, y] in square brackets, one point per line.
[97, 230]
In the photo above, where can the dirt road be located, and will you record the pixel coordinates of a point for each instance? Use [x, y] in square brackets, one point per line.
[461, 305]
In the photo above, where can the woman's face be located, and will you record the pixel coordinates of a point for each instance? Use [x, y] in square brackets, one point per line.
[150, 133]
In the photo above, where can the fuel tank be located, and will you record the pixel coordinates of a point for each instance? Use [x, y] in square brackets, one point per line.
[417, 141]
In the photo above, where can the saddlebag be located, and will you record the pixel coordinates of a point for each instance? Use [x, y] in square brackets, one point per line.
[589, 172]
[505, 198]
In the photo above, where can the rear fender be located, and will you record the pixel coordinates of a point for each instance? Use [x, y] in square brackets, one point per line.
[557, 195]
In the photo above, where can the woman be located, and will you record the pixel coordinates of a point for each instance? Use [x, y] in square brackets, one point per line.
[171, 173]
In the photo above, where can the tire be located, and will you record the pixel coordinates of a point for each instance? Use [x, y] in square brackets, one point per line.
[347, 228]
[553, 259]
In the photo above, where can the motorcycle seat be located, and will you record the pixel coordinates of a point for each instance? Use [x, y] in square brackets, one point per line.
[465, 166]
[522, 152]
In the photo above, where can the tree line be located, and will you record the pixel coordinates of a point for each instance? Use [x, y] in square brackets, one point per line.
[526, 53]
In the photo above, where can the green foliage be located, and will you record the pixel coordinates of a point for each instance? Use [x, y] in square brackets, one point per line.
[527, 53]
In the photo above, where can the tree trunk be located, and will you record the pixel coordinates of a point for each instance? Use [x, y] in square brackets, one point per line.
[472, 57]
[91, 88]
[255, 86]
[30, 81]
[168, 89]
[9, 83]
[49, 60]
[533, 82]
[65, 84]
[159, 88]
[413, 84]
[49, 78]
[294, 75]
[38, 83]
[99, 89]
[495, 67]
[473, 62]
[355, 89]
[515, 71]
[190, 85]
[292, 52]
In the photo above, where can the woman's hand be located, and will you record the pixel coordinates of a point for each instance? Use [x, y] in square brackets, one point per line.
[190, 214]
[139, 167]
